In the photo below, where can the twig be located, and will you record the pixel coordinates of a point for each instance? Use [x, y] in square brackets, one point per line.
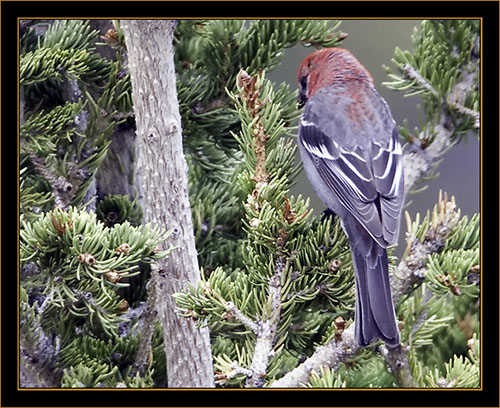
[419, 158]
[462, 88]
[239, 316]
[236, 369]
[65, 189]
[267, 329]
[62, 189]
[467, 112]
[412, 268]
[250, 93]
[397, 360]
[329, 355]
[411, 73]
[397, 357]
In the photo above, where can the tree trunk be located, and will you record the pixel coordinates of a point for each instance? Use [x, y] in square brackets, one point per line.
[163, 185]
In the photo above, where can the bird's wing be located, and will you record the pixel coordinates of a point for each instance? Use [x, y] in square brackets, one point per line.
[354, 146]
[387, 166]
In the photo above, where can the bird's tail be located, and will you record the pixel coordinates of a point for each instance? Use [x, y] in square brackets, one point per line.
[375, 316]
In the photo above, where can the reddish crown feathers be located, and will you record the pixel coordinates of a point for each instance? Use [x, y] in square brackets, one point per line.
[329, 66]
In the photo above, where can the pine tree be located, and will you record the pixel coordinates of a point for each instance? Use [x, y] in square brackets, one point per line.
[276, 288]
[84, 256]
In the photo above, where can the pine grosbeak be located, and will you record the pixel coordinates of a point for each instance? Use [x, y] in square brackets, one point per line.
[349, 146]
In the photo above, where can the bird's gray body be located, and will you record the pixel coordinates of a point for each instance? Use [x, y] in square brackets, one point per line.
[348, 142]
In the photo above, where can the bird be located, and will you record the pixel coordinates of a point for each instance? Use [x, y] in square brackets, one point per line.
[351, 153]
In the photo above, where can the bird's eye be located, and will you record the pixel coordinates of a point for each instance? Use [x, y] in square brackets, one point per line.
[302, 99]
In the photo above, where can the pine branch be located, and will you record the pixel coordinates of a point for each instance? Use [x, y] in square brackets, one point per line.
[267, 329]
[397, 360]
[444, 69]
[412, 74]
[74, 244]
[419, 158]
[237, 370]
[412, 268]
[250, 94]
[240, 317]
[330, 355]
[62, 188]
[73, 94]
[39, 351]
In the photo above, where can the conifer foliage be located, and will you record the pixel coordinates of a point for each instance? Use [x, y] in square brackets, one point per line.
[277, 287]
[81, 253]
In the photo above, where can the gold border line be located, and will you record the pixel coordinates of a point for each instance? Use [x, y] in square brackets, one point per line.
[256, 18]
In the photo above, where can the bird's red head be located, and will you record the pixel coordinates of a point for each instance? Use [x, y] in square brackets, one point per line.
[327, 67]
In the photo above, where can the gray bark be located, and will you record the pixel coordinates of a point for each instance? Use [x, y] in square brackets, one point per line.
[163, 184]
